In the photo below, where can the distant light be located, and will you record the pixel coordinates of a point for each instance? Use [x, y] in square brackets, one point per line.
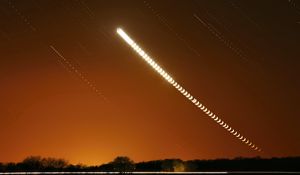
[185, 93]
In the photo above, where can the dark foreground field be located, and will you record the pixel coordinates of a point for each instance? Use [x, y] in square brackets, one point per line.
[153, 173]
[39, 165]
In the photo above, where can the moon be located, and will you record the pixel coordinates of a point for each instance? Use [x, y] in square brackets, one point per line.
[135, 47]
[164, 73]
[170, 80]
[155, 66]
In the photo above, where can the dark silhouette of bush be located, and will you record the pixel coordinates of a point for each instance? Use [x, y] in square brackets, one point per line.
[53, 164]
[154, 165]
[123, 164]
[2, 167]
[32, 163]
[106, 167]
[74, 168]
[11, 167]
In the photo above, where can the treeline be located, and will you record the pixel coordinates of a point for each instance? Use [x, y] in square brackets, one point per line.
[236, 164]
[125, 164]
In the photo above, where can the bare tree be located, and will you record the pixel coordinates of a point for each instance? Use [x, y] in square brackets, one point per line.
[123, 164]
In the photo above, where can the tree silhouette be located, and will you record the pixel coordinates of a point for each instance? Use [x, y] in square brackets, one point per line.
[54, 164]
[32, 163]
[36, 163]
[123, 164]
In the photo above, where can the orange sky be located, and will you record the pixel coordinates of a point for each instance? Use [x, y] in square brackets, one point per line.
[46, 110]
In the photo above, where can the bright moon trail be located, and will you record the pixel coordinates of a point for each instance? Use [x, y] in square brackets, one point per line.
[184, 92]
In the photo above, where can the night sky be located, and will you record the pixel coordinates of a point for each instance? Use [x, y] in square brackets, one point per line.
[71, 87]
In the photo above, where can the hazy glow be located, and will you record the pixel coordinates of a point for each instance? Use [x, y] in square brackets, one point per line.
[169, 79]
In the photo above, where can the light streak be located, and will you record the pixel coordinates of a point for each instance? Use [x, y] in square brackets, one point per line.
[71, 68]
[221, 37]
[170, 28]
[184, 92]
